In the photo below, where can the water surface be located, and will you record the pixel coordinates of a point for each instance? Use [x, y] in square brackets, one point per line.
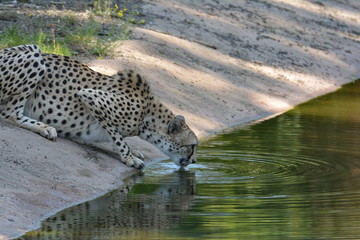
[295, 176]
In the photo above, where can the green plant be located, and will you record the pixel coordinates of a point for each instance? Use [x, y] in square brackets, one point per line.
[14, 36]
[133, 16]
[102, 7]
[107, 8]
[96, 39]
[97, 32]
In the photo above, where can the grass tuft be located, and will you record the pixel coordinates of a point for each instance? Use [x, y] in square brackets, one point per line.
[97, 31]
[14, 36]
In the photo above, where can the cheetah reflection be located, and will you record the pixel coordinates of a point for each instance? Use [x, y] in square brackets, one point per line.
[134, 211]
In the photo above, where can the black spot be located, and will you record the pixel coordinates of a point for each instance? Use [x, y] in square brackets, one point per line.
[32, 75]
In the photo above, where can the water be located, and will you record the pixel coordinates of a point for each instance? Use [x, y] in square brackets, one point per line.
[295, 176]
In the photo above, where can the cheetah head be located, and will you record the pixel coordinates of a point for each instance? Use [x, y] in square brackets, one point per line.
[175, 139]
[181, 142]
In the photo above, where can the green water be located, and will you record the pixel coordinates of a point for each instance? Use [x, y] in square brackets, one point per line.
[295, 176]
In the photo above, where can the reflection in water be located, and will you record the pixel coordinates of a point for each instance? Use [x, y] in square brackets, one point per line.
[132, 212]
[296, 176]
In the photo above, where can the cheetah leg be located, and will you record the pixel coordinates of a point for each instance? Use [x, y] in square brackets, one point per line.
[128, 156]
[30, 69]
[95, 101]
[14, 113]
[136, 153]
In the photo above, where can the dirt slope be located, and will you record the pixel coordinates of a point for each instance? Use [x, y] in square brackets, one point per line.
[219, 63]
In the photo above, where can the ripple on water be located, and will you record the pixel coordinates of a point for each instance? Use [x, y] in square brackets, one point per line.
[232, 166]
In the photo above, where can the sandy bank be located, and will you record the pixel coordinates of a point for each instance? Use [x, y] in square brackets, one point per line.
[218, 63]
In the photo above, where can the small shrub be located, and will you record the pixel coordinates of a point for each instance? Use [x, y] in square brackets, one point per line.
[96, 32]
[107, 8]
[15, 36]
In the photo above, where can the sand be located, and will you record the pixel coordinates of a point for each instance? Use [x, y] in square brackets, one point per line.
[218, 63]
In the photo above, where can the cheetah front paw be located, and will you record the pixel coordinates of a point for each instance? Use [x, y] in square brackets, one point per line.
[138, 154]
[135, 162]
[48, 132]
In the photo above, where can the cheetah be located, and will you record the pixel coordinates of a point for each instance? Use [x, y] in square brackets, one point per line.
[54, 95]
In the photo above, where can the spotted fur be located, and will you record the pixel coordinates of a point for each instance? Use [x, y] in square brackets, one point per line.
[44, 92]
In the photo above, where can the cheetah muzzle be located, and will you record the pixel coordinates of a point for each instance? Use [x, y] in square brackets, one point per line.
[57, 96]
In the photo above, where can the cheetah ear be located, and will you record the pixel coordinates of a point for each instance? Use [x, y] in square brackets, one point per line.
[175, 125]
